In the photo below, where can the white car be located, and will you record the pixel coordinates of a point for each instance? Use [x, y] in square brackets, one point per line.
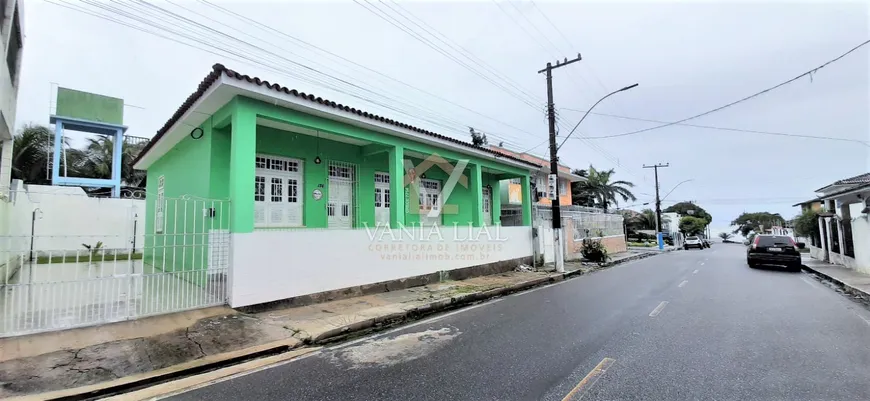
[693, 242]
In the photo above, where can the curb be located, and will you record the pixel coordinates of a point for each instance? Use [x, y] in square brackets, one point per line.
[383, 322]
[219, 361]
[846, 287]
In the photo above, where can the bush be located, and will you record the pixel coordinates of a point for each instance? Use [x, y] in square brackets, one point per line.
[594, 251]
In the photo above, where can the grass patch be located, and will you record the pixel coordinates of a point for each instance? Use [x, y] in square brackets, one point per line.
[88, 258]
[465, 289]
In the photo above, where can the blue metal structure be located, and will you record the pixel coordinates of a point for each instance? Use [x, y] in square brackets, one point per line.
[113, 130]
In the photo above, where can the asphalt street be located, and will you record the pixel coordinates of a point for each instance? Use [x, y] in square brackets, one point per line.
[686, 325]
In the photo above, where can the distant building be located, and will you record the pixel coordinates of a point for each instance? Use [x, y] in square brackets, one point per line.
[11, 45]
[511, 194]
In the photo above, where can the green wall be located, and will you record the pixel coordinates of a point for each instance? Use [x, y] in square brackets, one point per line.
[190, 180]
[220, 165]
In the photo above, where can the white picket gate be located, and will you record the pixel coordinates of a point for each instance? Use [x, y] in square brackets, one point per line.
[59, 271]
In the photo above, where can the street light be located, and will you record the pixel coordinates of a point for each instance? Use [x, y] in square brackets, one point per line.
[675, 187]
[590, 109]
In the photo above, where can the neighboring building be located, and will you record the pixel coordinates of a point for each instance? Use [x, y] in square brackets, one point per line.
[843, 223]
[812, 204]
[671, 222]
[512, 194]
[11, 45]
[307, 190]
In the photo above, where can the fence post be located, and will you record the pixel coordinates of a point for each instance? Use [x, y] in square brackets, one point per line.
[132, 266]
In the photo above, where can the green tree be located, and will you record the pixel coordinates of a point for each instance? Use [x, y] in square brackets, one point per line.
[600, 191]
[97, 161]
[477, 138]
[647, 218]
[807, 224]
[725, 236]
[32, 150]
[692, 225]
[683, 209]
[753, 222]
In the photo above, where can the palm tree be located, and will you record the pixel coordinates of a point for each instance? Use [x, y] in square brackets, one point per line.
[599, 189]
[725, 236]
[97, 161]
[647, 219]
[32, 149]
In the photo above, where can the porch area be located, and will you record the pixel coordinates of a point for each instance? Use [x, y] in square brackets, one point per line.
[845, 230]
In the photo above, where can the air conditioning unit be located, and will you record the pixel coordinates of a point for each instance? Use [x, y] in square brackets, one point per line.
[866, 208]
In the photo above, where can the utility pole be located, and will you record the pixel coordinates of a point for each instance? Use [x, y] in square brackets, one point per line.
[658, 204]
[553, 179]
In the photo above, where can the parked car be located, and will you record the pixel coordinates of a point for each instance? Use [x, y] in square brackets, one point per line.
[774, 250]
[693, 242]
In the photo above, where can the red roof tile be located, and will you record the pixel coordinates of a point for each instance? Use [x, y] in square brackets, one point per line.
[219, 69]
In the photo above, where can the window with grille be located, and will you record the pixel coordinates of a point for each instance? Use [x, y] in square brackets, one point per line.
[277, 164]
[339, 171]
[378, 198]
[386, 198]
[292, 190]
[277, 185]
[516, 181]
[259, 189]
[382, 178]
[277, 190]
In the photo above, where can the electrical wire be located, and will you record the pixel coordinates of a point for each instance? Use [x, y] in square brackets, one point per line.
[376, 73]
[404, 28]
[866, 143]
[140, 17]
[459, 48]
[759, 93]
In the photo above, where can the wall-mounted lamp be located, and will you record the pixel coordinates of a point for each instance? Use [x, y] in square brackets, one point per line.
[317, 160]
[423, 176]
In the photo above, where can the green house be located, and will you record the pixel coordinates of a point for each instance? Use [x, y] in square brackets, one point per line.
[293, 194]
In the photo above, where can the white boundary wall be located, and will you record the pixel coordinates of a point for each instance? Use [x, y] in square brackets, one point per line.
[66, 218]
[273, 265]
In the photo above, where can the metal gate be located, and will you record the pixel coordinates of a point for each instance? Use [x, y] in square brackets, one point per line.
[70, 260]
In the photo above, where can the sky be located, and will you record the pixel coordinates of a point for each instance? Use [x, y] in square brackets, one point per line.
[687, 57]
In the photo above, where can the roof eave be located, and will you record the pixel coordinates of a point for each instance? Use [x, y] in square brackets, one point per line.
[241, 87]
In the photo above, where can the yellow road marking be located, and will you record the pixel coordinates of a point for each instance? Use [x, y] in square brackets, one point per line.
[580, 389]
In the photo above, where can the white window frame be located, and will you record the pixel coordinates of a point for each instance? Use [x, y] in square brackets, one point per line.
[291, 175]
[160, 205]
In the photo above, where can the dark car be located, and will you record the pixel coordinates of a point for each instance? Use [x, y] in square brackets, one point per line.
[773, 250]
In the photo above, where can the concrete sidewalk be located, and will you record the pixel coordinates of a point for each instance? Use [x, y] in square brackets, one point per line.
[75, 358]
[853, 282]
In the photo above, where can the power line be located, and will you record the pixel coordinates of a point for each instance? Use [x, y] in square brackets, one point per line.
[716, 128]
[233, 51]
[462, 50]
[339, 57]
[808, 73]
[404, 28]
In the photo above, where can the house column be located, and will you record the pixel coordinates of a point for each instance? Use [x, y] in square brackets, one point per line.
[495, 205]
[527, 200]
[842, 237]
[397, 186]
[5, 166]
[823, 238]
[476, 188]
[828, 239]
[243, 153]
